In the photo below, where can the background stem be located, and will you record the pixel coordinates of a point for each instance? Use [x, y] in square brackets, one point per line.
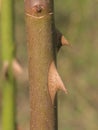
[8, 48]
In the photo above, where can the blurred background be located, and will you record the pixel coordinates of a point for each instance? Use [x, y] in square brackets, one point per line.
[77, 65]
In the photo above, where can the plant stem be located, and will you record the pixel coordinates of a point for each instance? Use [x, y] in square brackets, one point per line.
[8, 54]
[41, 52]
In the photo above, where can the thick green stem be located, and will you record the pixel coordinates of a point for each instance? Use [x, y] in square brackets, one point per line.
[7, 30]
[8, 104]
[41, 53]
[7, 36]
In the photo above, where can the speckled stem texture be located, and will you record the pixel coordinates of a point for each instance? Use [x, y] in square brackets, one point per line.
[41, 52]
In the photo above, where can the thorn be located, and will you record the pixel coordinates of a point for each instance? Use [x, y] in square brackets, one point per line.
[61, 40]
[64, 41]
[17, 69]
[54, 82]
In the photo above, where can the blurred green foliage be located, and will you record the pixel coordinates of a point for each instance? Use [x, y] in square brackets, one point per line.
[77, 65]
[78, 20]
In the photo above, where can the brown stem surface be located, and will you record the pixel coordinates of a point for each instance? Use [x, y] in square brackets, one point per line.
[44, 41]
[41, 52]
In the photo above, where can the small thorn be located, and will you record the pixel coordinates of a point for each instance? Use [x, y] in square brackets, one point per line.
[64, 41]
[54, 82]
[61, 40]
[17, 69]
